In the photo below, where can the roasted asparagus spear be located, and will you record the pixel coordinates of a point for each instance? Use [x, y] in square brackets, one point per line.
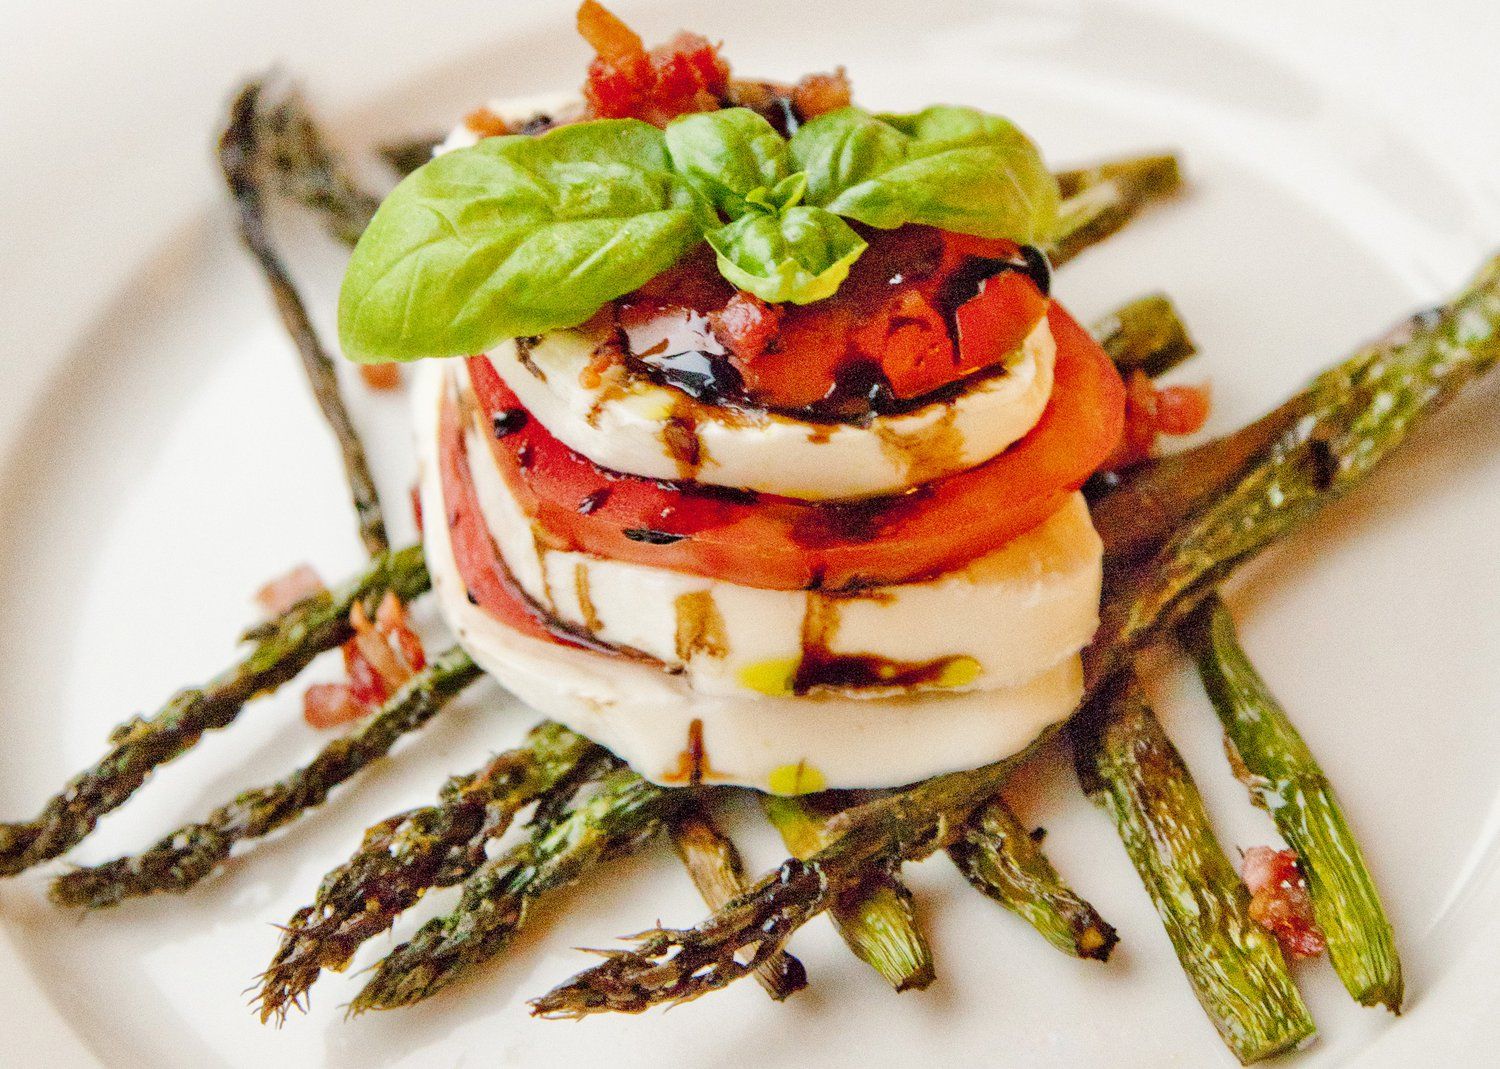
[998, 857]
[676, 965]
[876, 915]
[282, 650]
[1332, 436]
[717, 871]
[625, 812]
[193, 852]
[245, 151]
[1285, 779]
[1129, 767]
[1099, 201]
[404, 856]
[1145, 335]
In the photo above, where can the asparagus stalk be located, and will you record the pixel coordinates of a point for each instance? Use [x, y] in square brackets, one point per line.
[1284, 778]
[1361, 410]
[407, 155]
[1146, 335]
[193, 852]
[677, 965]
[1000, 859]
[1100, 201]
[305, 169]
[875, 915]
[242, 158]
[1334, 434]
[405, 855]
[307, 629]
[497, 899]
[719, 874]
[1129, 768]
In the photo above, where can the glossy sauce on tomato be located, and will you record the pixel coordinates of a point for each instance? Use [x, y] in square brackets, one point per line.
[773, 542]
[920, 313]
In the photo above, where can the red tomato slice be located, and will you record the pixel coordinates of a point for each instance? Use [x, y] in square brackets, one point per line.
[488, 582]
[785, 544]
[993, 324]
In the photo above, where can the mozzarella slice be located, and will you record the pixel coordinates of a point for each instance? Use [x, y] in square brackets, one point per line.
[781, 744]
[993, 623]
[640, 428]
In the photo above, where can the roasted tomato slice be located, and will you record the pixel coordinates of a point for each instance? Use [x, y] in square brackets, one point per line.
[784, 544]
[892, 316]
[489, 583]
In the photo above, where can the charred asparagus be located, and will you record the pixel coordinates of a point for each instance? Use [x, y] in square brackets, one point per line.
[998, 857]
[876, 915]
[193, 852]
[1285, 779]
[284, 648]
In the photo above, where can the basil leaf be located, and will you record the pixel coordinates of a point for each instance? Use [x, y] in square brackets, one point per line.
[950, 167]
[785, 194]
[728, 155]
[800, 255]
[516, 236]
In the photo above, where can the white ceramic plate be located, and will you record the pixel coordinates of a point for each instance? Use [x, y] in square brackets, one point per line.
[159, 458]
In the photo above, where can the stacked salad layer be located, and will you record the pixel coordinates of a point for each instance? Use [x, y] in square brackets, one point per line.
[757, 450]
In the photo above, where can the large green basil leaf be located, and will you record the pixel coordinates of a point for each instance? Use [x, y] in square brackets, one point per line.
[950, 167]
[516, 236]
[799, 255]
[728, 155]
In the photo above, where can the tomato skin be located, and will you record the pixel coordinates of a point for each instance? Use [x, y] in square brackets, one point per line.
[996, 322]
[911, 340]
[489, 583]
[785, 544]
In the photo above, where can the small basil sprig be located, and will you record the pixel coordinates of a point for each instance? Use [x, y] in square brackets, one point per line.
[521, 235]
[773, 246]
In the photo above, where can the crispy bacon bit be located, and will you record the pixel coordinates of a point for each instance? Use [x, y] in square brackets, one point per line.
[381, 376]
[818, 94]
[392, 623]
[626, 81]
[1280, 902]
[381, 657]
[328, 705]
[607, 34]
[1150, 412]
[365, 681]
[485, 123]
[281, 593]
[746, 325]
[1181, 409]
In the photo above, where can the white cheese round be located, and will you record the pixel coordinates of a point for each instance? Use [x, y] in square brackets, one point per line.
[636, 429]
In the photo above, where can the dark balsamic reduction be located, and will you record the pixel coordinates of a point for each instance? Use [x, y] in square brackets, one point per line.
[509, 421]
[864, 671]
[819, 667]
[965, 283]
[688, 357]
[835, 523]
[652, 537]
[594, 500]
[702, 376]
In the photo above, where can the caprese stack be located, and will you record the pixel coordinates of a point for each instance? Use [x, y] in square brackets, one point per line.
[768, 470]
